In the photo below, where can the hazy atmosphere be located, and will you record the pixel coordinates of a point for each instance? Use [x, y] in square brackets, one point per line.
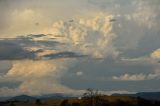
[66, 46]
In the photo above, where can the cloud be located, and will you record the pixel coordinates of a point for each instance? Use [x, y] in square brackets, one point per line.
[25, 17]
[28, 69]
[134, 77]
[35, 74]
[22, 47]
[12, 50]
[156, 54]
[63, 55]
[23, 22]
[116, 92]
[6, 92]
[89, 36]
[52, 53]
[128, 77]
[133, 16]
[86, 36]
[79, 73]
[34, 87]
[151, 59]
[47, 47]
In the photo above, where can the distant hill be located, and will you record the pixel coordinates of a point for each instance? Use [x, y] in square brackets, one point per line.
[149, 95]
[22, 98]
[54, 96]
[4, 98]
[33, 98]
[146, 95]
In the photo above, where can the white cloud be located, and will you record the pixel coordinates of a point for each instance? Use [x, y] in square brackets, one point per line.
[134, 77]
[116, 92]
[152, 60]
[44, 86]
[79, 73]
[89, 36]
[35, 74]
[156, 54]
[31, 69]
[127, 77]
[25, 22]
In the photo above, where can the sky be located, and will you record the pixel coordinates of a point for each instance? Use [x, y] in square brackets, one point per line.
[67, 46]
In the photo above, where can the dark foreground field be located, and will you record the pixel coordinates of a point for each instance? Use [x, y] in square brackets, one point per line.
[87, 101]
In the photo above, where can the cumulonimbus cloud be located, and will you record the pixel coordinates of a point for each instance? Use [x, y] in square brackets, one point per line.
[54, 53]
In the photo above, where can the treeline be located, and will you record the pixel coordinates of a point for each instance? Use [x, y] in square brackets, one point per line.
[93, 98]
[89, 98]
[102, 102]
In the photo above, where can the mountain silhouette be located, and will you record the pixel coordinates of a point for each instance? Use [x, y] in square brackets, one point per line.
[22, 98]
[146, 95]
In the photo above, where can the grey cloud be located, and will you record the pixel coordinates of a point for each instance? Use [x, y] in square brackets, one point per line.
[146, 39]
[114, 6]
[4, 67]
[144, 45]
[9, 84]
[36, 36]
[14, 48]
[101, 73]
[64, 55]
[13, 51]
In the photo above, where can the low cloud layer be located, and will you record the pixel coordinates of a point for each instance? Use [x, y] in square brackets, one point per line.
[134, 77]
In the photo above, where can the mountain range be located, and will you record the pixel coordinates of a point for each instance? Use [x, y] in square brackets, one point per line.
[33, 98]
[145, 95]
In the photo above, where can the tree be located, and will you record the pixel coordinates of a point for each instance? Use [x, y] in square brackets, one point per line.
[64, 102]
[12, 104]
[38, 102]
[92, 98]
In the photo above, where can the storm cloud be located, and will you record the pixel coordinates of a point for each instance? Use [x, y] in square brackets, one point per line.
[68, 46]
[22, 48]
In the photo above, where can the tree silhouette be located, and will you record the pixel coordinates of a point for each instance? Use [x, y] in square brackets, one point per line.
[12, 104]
[38, 102]
[93, 98]
[64, 102]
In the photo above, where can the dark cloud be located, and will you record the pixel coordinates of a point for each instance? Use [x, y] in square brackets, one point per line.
[65, 54]
[15, 48]
[101, 73]
[9, 84]
[36, 36]
[12, 51]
